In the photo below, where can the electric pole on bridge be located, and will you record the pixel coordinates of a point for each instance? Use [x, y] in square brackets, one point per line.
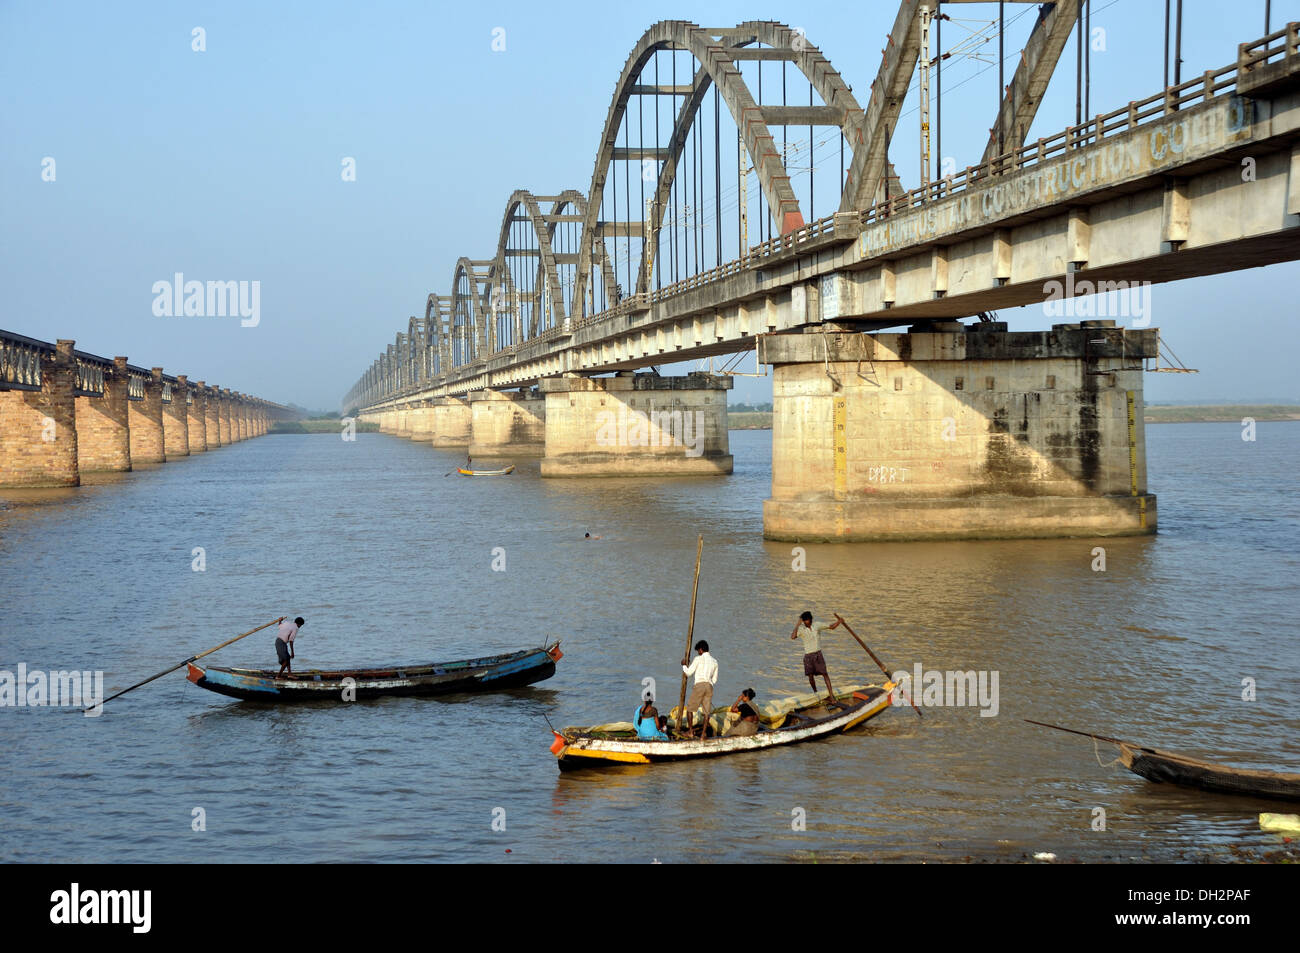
[923, 16]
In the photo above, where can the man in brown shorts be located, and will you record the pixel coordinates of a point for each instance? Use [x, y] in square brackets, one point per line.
[814, 663]
[705, 669]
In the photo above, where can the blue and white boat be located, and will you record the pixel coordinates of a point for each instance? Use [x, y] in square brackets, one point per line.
[493, 672]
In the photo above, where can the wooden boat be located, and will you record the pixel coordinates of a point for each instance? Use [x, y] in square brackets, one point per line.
[512, 670]
[502, 472]
[1169, 767]
[801, 719]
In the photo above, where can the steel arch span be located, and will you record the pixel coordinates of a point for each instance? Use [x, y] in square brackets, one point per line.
[563, 258]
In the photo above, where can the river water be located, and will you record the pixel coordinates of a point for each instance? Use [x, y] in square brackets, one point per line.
[390, 561]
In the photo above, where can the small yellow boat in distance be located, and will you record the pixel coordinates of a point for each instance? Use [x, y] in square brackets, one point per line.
[502, 472]
[784, 722]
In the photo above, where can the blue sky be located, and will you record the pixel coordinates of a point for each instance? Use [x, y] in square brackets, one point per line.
[225, 165]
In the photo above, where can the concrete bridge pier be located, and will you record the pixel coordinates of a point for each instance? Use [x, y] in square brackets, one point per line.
[403, 428]
[198, 418]
[636, 425]
[38, 428]
[507, 424]
[176, 421]
[146, 422]
[420, 422]
[103, 424]
[959, 432]
[212, 417]
[223, 416]
[452, 422]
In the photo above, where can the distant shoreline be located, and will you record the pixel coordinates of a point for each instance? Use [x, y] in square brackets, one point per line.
[319, 426]
[1159, 414]
[1219, 413]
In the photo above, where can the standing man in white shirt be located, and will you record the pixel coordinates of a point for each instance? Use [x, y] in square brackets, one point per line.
[705, 669]
[814, 663]
[284, 643]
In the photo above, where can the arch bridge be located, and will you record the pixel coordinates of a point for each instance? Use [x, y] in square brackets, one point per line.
[742, 197]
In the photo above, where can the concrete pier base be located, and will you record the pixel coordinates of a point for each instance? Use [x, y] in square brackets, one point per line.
[507, 424]
[38, 428]
[452, 422]
[400, 418]
[211, 417]
[176, 421]
[197, 433]
[419, 423]
[146, 422]
[956, 432]
[988, 517]
[636, 425]
[103, 425]
[223, 417]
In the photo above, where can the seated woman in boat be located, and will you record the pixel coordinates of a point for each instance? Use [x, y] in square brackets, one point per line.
[647, 721]
[748, 723]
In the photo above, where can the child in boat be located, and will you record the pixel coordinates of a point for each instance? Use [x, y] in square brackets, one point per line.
[647, 721]
[748, 723]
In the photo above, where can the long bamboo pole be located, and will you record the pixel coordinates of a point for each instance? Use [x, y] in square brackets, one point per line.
[1086, 734]
[690, 628]
[876, 660]
[192, 658]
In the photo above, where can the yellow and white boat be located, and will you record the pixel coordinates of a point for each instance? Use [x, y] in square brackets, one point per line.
[784, 722]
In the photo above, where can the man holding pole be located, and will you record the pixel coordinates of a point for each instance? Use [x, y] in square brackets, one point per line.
[705, 669]
[284, 643]
[814, 663]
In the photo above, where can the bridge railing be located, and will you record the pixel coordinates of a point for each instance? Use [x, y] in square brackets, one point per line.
[91, 371]
[137, 379]
[20, 361]
[1250, 55]
[1207, 86]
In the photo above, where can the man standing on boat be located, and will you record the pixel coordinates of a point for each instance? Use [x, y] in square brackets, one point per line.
[705, 669]
[814, 663]
[284, 643]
